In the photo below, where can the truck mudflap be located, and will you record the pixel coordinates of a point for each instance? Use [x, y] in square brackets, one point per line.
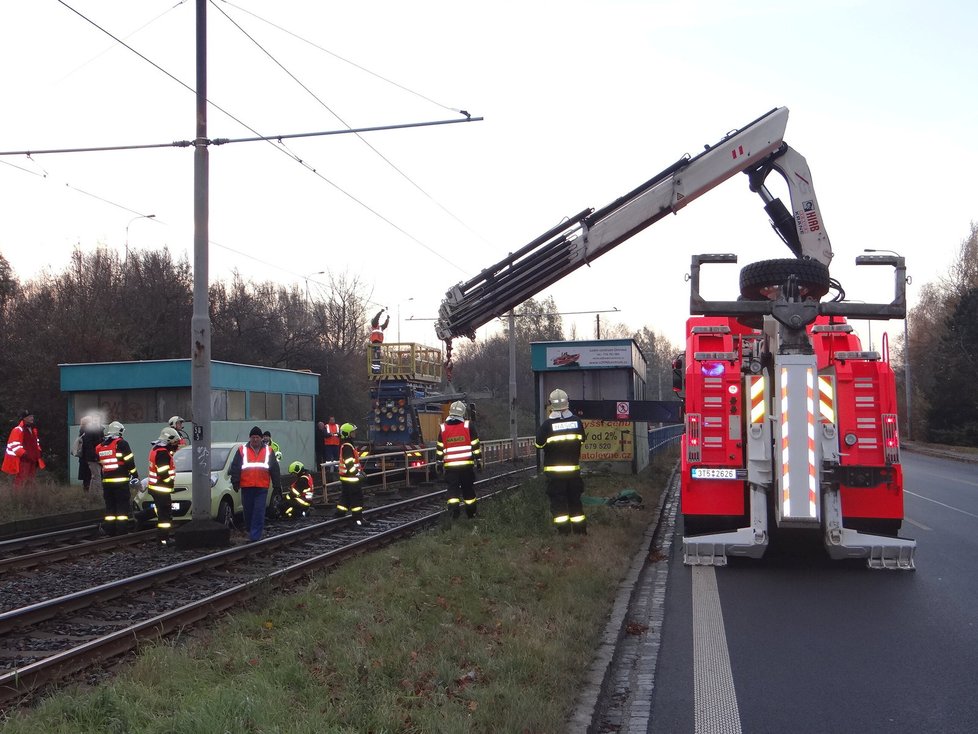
[713, 549]
[880, 551]
[751, 541]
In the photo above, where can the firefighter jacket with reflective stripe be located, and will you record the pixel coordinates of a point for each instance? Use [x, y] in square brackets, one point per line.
[23, 443]
[162, 472]
[115, 457]
[458, 445]
[349, 464]
[332, 437]
[561, 437]
[301, 489]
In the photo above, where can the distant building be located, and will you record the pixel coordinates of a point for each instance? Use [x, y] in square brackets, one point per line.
[145, 395]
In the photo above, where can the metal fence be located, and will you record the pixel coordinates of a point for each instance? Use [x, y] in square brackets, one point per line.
[663, 439]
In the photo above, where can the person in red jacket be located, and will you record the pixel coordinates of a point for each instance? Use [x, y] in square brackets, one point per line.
[331, 440]
[23, 455]
[376, 339]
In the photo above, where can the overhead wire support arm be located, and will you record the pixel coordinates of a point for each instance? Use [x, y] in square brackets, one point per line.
[257, 138]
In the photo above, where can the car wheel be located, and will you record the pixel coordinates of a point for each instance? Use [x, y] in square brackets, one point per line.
[225, 513]
[276, 506]
[757, 280]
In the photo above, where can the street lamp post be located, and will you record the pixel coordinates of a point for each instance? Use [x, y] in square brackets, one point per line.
[906, 351]
[399, 318]
[141, 216]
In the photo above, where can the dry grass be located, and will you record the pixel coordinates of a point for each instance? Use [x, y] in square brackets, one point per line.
[471, 627]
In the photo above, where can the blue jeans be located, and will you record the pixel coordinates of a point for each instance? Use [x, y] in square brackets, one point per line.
[253, 501]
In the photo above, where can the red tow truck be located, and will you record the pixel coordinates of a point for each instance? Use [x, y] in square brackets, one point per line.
[790, 425]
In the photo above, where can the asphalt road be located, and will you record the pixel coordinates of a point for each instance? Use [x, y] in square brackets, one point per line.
[798, 643]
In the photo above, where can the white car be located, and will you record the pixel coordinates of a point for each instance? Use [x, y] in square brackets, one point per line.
[225, 502]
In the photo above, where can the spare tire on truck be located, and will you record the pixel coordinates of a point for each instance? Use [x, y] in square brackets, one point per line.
[758, 279]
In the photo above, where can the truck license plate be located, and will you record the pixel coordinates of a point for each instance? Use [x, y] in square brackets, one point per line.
[702, 472]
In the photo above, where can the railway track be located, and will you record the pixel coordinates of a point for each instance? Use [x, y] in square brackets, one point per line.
[62, 634]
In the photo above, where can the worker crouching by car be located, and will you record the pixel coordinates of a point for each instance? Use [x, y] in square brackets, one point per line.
[253, 468]
[162, 474]
[298, 500]
[458, 453]
[118, 475]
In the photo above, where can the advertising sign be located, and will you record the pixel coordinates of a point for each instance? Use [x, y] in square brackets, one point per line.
[608, 441]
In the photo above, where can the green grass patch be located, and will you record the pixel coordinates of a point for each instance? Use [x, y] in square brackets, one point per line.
[485, 626]
[45, 497]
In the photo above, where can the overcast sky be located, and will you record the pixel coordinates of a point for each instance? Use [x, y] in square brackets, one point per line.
[582, 102]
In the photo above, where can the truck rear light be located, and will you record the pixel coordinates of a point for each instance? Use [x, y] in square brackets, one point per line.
[712, 369]
[694, 445]
[891, 439]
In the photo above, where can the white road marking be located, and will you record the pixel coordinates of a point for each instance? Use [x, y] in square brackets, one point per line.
[950, 507]
[715, 700]
[917, 524]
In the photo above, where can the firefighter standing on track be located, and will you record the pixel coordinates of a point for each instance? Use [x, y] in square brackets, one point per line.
[162, 474]
[560, 437]
[118, 474]
[298, 500]
[458, 452]
[253, 468]
[351, 493]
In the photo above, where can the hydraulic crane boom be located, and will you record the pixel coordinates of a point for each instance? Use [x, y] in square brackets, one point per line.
[756, 150]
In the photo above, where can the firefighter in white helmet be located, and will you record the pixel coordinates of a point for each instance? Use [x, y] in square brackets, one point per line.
[560, 437]
[118, 474]
[162, 475]
[458, 453]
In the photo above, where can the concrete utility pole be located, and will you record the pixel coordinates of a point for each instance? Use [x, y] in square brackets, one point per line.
[201, 531]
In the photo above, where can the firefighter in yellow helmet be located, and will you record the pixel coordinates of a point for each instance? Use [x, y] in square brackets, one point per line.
[458, 453]
[560, 437]
[351, 493]
[298, 498]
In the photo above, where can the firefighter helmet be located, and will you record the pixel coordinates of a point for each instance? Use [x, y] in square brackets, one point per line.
[174, 420]
[296, 467]
[559, 400]
[456, 410]
[115, 428]
[346, 430]
[169, 435]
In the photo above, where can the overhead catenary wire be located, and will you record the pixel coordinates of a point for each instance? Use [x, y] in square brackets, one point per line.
[226, 141]
[346, 61]
[333, 112]
[270, 139]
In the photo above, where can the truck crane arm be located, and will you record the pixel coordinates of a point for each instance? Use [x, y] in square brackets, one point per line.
[756, 149]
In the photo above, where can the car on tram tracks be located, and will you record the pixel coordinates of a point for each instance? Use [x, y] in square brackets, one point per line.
[225, 502]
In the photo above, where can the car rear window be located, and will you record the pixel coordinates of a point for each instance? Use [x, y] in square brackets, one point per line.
[219, 457]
